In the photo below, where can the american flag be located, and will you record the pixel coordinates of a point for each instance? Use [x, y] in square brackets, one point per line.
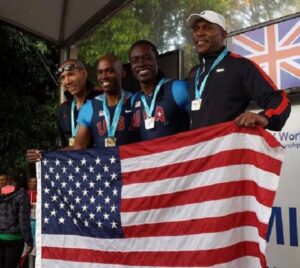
[276, 48]
[201, 198]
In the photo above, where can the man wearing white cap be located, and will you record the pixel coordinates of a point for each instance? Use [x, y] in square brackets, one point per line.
[223, 84]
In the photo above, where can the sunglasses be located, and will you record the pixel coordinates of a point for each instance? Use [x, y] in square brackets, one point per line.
[68, 67]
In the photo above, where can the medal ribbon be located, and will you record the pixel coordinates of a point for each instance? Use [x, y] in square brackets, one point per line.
[111, 128]
[149, 110]
[73, 128]
[199, 89]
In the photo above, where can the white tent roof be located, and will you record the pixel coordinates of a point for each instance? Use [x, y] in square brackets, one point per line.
[60, 21]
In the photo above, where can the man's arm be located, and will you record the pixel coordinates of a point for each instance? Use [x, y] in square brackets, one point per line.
[249, 119]
[33, 155]
[180, 90]
[84, 120]
[261, 88]
[82, 141]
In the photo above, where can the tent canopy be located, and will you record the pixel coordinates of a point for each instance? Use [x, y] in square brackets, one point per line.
[62, 22]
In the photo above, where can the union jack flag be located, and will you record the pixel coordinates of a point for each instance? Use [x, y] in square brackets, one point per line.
[276, 48]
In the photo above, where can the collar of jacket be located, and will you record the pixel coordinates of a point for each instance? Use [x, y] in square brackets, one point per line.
[210, 57]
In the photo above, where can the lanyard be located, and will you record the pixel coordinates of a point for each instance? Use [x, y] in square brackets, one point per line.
[199, 90]
[111, 128]
[73, 128]
[149, 110]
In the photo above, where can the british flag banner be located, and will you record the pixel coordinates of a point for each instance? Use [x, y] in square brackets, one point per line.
[202, 198]
[276, 48]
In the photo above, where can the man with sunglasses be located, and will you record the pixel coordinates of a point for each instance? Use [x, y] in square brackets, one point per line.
[73, 77]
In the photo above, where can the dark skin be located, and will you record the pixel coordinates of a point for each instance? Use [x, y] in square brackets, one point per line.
[209, 37]
[109, 75]
[31, 184]
[144, 67]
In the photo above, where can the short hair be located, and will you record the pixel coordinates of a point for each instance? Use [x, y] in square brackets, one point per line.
[112, 57]
[143, 42]
[109, 56]
[77, 62]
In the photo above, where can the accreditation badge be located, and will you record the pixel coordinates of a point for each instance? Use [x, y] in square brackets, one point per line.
[110, 142]
[149, 123]
[196, 104]
[71, 141]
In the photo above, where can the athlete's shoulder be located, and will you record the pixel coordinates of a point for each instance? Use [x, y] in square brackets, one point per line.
[244, 64]
[87, 106]
[234, 57]
[167, 83]
[135, 99]
[180, 83]
[89, 103]
[127, 97]
[180, 92]
[127, 94]
[179, 86]
[99, 98]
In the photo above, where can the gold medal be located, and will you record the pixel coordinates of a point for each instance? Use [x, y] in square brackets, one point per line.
[110, 142]
[71, 141]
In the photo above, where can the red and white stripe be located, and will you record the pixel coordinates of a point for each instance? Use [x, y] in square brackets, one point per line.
[212, 188]
[247, 262]
[197, 199]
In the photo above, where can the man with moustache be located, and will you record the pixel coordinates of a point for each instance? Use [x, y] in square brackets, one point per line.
[223, 84]
[107, 118]
[73, 75]
[161, 107]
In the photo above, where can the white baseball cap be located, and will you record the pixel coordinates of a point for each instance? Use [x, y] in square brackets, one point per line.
[207, 15]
